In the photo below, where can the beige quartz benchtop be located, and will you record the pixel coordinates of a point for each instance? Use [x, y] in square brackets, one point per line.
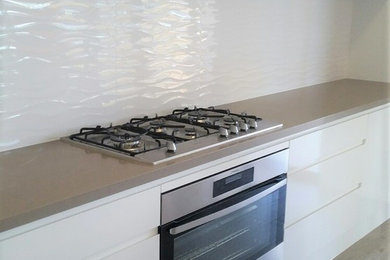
[44, 179]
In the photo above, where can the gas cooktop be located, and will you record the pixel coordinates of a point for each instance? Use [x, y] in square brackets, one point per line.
[162, 138]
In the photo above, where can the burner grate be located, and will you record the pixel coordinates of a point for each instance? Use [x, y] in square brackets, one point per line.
[197, 127]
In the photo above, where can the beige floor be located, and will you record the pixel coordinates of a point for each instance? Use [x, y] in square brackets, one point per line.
[374, 246]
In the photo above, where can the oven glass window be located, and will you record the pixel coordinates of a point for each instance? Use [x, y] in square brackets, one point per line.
[247, 233]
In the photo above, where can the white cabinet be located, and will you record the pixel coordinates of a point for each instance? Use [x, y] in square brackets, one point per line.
[92, 233]
[338, 186]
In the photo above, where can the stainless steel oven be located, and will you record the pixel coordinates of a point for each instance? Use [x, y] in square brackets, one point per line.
[235, 214]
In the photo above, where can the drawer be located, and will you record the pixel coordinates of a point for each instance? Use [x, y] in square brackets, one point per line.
[313, 188]
[314, 147]
[89, 232]
[327, 232]
[148, 249]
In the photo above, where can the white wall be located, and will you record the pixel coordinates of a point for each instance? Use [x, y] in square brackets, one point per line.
[370, 40]
[67, 64]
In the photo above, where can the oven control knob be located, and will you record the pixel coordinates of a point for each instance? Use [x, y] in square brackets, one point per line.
[171, 147]
[252, 123]
[234, 129]
[244, 126]
[223, 132]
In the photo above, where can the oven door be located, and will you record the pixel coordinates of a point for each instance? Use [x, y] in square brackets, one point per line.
[248, 225]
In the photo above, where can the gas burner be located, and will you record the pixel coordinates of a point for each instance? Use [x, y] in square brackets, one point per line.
[230, 121]
[159, 125]
[125, 138]
[133, 142]
[190, 132]
[127, 145]
[199, 114]
[131, 147]
[158, 129]
[198, 119]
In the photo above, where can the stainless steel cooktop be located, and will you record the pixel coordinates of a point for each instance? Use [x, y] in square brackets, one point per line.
[185, 131]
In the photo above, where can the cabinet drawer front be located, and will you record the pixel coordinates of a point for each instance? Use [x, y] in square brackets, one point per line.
[327, 232]
[148, 249]
[315, 187]
[89, 232]
[312, 148]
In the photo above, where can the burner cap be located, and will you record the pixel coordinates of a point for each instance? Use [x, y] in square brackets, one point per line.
[198, 119]
[230, 121]
[124, 138]
[190, 131]
[135, 147]
[159, 129]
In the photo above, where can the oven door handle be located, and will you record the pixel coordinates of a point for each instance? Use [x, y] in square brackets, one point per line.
[226, 211]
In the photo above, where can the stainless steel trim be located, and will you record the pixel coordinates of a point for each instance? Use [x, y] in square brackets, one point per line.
[182, 201]
[226, 211]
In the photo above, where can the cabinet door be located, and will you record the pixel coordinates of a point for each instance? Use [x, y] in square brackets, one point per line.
[148, 249]
[315, 187]
[327, 232]
[315, 147]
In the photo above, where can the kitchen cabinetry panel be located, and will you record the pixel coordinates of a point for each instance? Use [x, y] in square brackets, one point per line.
[89, 232]
[338, 188]
[327, 232]
[321, 145]
[376, 196]
[315, 187]
[148, 249]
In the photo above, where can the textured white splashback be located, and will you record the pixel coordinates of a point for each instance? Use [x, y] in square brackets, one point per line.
[67, 64]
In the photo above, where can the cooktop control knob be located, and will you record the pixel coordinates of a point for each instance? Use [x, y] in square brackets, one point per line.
[234, 129]
[244, 126]
[223, 132]
[252, 123]
[171, 147]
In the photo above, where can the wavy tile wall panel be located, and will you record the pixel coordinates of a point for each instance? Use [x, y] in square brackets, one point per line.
[67, 64]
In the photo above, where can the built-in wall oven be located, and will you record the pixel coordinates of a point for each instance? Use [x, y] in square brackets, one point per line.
[235, 214]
